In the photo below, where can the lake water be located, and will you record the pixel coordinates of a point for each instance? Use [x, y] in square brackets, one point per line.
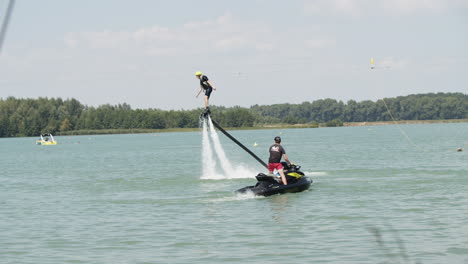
[144, 198]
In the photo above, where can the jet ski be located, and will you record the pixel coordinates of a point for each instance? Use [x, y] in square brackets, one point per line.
[269, 184]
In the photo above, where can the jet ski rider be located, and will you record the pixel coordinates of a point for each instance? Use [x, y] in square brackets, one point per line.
[206, 85]
[274, 162]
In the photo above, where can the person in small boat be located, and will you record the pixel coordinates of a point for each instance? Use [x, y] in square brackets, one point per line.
[205, 85]
[274, 162]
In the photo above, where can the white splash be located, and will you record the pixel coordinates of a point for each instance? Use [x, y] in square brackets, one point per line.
[211, 141]
[225, 164]
[315, 173]
[237, 197]
[209, 164]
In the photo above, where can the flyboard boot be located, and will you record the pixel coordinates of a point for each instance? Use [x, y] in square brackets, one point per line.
[205, 113]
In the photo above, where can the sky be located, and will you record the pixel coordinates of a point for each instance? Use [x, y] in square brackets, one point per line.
[146, 52]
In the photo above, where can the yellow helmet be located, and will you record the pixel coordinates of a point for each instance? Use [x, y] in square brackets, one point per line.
[198, 73]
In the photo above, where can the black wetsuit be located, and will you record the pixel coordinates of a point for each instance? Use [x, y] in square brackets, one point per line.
[206, 86]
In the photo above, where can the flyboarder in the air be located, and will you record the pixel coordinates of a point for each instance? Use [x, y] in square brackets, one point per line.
[207, 86]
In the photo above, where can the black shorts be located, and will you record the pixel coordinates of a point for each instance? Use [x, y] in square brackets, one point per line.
[208, 92]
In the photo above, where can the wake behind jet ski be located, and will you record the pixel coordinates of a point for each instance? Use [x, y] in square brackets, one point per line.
[269, 185]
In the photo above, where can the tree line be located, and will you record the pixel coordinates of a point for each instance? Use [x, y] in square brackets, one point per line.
[430, 106]
[30, 117]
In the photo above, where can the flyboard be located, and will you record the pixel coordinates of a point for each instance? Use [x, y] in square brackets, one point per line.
[268, 184]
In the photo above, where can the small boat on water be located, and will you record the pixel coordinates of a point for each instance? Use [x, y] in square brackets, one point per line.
[46, 140]
[269, 185]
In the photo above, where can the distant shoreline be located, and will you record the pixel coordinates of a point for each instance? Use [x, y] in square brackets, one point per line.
[272, 126]
[20, 117]
[381, 123]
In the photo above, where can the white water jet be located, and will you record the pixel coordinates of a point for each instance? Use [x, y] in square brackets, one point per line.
[211, 141]
[225, 164]
[208, 161]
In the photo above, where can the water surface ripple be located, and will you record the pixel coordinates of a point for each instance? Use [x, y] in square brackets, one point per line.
[376, 198]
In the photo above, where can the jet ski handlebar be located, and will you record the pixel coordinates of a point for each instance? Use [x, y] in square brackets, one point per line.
[291, 167]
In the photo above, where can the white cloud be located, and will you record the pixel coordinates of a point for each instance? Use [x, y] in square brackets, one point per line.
[229, 43]
[415, 6]
[320, 43]
[223, 34]
[151, 34]
[391, 63]
[327, 7]
[347, 6]
[264, 47]
[358, 8]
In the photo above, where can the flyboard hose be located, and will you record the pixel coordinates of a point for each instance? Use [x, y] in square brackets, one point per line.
[240, 144]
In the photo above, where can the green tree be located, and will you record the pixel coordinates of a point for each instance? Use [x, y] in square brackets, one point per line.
[65, 125]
